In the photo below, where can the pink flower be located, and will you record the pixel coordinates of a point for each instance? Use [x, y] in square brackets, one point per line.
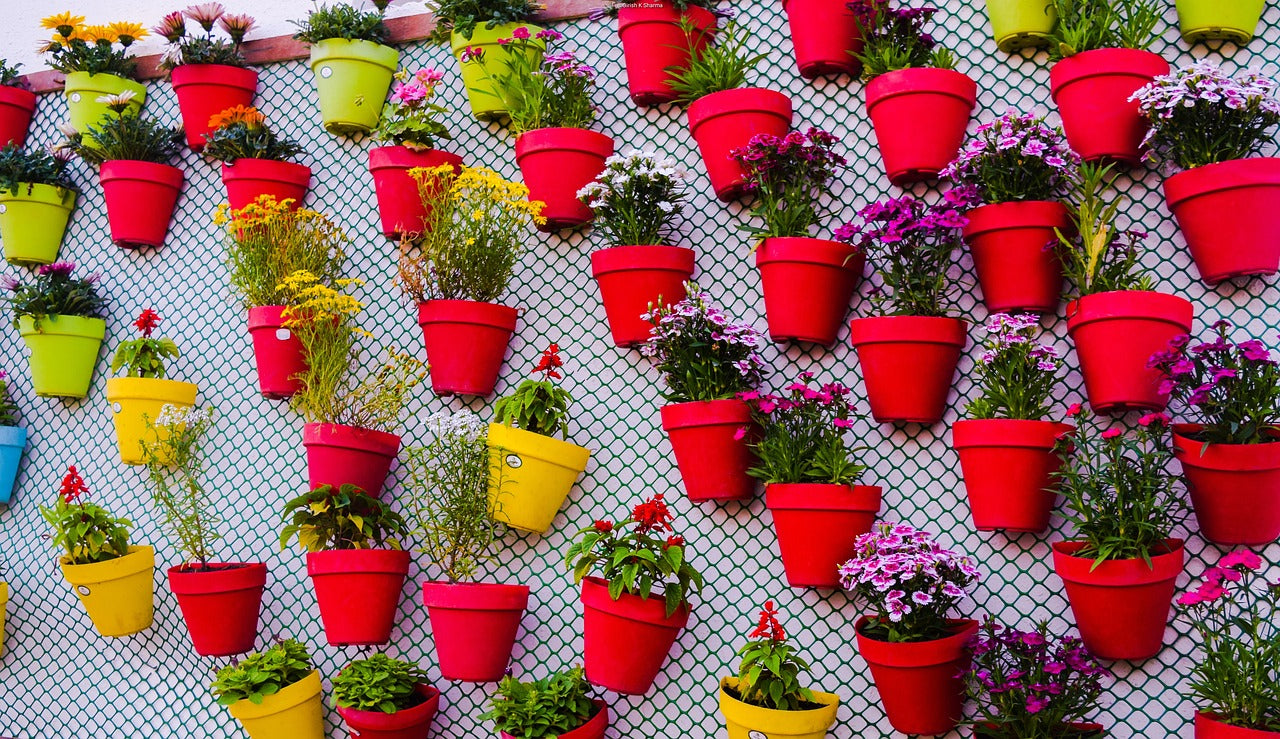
[740, 434]
[842, 423]
[521, 33]
[767, 406]
[1111, 433]
[1242, 558]
[410, 94]
[1190, 599]
[1074, 410]
[1159, 419]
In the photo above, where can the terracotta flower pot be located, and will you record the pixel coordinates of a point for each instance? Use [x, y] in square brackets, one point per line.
[118, 594]
[816, 525]
[712, 460]
[247, 179]
[1008, 468]
[1207, 726]
[908, 363]
[205, 90]
[632, 277]
[825, 36]
[728, 120]
[919, 116]
[535, 476]
[474, 627]
[1246, 244]
[556, 163]
[400, 206]
[136, 403]
[626, 641]
[653, 44]
[277, 352]
[220, 605]
[1121, 606]
[17, 107]
[294, 712]
[141, 198]
[1069, 731]
[466, 342]
[594, 728]
[808, 285]
[919, 682]
[1235, 488]
[408, 723]
[1115, 333]
[747, 721]
[1011, 244]
[1092, 92]
[338, 455]
[358, 592]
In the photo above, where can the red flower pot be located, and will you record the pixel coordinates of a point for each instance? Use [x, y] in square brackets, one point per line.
[632, 277]
[276, 351]
[1092, 92]
[205, 90]
[338, 455]
[1247, 243]
[825, 36]
[919, 682]
[626, 641]
[652, 44]
[728, 120]
[713, 462]
[1008, 468]
[141, 197]
[594, 728]
[808, 284]
[399, 203]
[17, 106]
[474, 627]
[1115, 333]
[1011, 247]
[248, 179]
[220, 605]
[466, 343]
[358, 591]
[907, 364]
[1209, 727]
[1235, 488]
[1078, 731]
[816, 525]
[410, 723]
[1122, 606]
[558, 162]
[919, 116]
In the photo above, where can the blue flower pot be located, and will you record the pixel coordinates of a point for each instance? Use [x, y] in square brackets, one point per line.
[13, 439]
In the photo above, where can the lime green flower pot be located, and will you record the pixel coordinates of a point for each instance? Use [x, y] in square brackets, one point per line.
[83, 90]
[1224, 20]
[483, 91]
[1021, 24]
[33, 221]
[64, 351]
[353, 78]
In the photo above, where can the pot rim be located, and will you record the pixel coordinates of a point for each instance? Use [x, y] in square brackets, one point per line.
[696, 413]
[475, 596]
[651, 610]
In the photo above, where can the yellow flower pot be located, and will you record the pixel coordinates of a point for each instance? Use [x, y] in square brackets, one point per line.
[746, 721]
[82, 90]
[292, 713]
[136, 401]
[352, 79]
[533, 476]
[117, 594]
[4, 604]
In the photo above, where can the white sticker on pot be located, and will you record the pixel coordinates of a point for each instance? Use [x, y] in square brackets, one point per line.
[757, 735]
[514, 461]
[83, 589]
[326, 72]
[283, 334]
[75, 97]
[116, 407]
[3, 207]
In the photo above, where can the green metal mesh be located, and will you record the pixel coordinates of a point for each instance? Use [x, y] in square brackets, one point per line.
[58, 679]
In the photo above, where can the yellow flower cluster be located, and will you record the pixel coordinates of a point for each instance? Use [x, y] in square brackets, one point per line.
[312, 301]
[481, 185]
[265, 211]
[68, 27]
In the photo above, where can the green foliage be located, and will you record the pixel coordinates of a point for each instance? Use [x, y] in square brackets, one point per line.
[410, 118]
[95, 57]
[342, 21]
[721, 64]
[8, 406]
[539, 406]
[541, 709]
[1098, 256]
[540, 92]
[21, 169]
[10, 76]
[638, 198]
[206, 48]
[462, 16]
[1015, 373]
[378, 683]
[85, 531]
[248, 139]
[144, 356]
[174, 467]
[127, 136]
[1086, 25]
[269, 240]
[769, 674]
[894, 39]
[324, 519]
[262, 673]
[801, 436]
[55, 293]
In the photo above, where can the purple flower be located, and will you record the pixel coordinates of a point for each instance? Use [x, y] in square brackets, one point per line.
[57, 269]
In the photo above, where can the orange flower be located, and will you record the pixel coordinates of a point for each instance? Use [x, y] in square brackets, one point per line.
[246, 114]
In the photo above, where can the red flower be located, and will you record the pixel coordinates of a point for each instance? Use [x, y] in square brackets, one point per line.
[652, 515]
[768, 626]
[673, 541]
[550, 361]
[604, 527]
[1159, 419]
[1111, 433]
[73, 486]
[1074, 410]
[147, 321]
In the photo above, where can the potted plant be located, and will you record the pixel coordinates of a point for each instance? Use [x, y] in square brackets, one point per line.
[635, 609]
[460, 269]
[637, 200]
[1029, 684]
[556, 706]
[909, 353]
[139, 396]
[1204, 21]
[13, 440]
[703, 375]
[266, 241]
[17, 105]
[809, 478]
[807, 282]
[351, 404]
[1120, 567]
[918, 103]
[1100, 50]
[254, 159]
[219, 600]
[725, 114]
[385, 698]
[111, 577]
[274, 694]
[472, 28]
[1015, 173]
[409, 129]
[766, 697]
[139, 184]
[1117, 320]
[1235, 611]
[354, 559]
[352, 63]
[1006, 444]
[93, 65]
[208, 73]
[1022, 24]
[548, 103]
[654, 45]
[825, 36]
[1231, 458]
[59, 319]
[536, 471]
[474, 624]
[1210, 124]
[915, 651]
[37, 196]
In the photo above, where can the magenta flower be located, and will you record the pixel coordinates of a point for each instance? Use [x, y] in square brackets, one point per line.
[1241, 558]
[521, 33]
[1111, 433]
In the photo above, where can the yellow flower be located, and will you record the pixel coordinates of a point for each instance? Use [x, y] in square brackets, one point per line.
[92, 34]
[127, 32]
[64, 23]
